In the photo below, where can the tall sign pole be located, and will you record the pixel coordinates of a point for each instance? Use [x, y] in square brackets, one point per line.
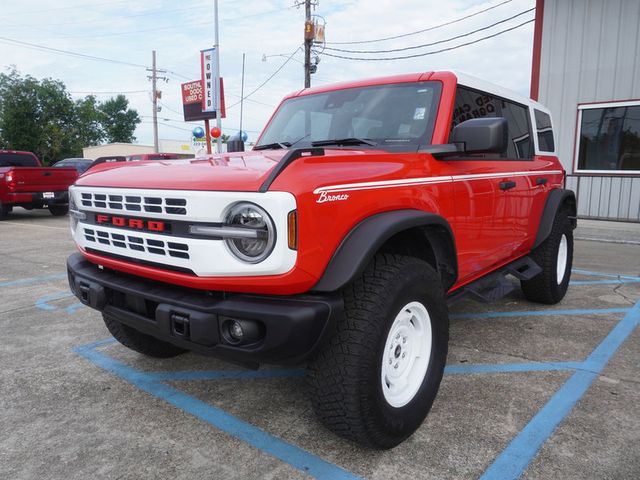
[217, 76]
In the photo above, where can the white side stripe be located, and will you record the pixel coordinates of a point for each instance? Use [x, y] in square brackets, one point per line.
[412, 182]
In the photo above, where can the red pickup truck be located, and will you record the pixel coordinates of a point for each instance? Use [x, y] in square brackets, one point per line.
[337, 242]
[25, 183]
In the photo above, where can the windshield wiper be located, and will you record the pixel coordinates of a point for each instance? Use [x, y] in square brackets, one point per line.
[344, 141]
[273, 146]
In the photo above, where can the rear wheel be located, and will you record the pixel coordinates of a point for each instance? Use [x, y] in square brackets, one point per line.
[555, 256]
[376, 380]
[138, 341]
[5, 210]
[58, 210]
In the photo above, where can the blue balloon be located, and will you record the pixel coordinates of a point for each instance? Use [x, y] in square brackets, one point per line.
[198, 132]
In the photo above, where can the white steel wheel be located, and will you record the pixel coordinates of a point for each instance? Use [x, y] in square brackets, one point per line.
[561, 266]
[406, 355]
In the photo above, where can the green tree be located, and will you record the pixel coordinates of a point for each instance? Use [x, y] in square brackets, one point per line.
[118, 120]
[40, 116]
[89, 128]
[36, 115]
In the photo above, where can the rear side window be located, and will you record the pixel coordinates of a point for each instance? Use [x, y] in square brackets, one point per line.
[475, 104]
[545, 133]
[17, 160]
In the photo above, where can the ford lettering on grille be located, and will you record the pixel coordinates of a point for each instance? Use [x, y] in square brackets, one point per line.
[133, 223]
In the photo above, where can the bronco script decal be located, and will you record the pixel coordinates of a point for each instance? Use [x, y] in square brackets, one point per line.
[327, 197]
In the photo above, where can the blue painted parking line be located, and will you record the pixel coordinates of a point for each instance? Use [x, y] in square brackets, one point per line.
[512, 367]
[254, 436]
[30, 280]
[580, 271]
[602, 282]
[513, 461]
[540, 313]
[42, 302]
[510, 464]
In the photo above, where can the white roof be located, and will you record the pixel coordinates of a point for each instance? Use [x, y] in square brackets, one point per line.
[485, 86]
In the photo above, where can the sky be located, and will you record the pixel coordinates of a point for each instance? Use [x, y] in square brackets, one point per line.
[127, 31]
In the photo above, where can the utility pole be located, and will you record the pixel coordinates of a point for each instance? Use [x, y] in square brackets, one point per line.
[155, 94]
[308, 39]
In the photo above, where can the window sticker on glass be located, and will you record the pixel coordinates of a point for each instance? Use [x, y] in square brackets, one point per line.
[419, 113]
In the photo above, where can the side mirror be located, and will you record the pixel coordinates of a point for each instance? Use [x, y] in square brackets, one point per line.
[482, 135]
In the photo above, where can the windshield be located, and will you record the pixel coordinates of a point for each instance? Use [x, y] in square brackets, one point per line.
[382, 115]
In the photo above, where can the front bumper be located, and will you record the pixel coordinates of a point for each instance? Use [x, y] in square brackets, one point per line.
[292, 327]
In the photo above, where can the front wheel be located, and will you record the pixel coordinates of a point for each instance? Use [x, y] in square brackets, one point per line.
[555, 256]
[58, 210]
[376, 380]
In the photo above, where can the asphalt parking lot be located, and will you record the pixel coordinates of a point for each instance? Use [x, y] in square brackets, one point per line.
[530, 391]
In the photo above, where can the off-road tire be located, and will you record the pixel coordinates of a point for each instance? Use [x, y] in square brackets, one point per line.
[5, 210]
[59, 210]
[345, 378]
[138, 341]
[544, 287]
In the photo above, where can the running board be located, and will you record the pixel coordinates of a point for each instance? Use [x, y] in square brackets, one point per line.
[496, 285]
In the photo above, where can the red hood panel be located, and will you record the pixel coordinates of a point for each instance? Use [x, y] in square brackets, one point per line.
[245, 172]
[236, 172]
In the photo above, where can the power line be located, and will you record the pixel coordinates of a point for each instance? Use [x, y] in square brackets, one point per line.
[268, 78]
[68, 53]
[115, 92]
[30, 12]
[413, 47]
[102, 20]
[433, 52]
[420, 31]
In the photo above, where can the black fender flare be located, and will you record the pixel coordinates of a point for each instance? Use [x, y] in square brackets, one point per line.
[366, 238]
[555, 200]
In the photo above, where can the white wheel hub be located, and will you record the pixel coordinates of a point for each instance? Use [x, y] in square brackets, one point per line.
[561, 266]
[406, 355]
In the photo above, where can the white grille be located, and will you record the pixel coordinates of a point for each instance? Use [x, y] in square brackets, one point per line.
[135, 203]
[138, 244]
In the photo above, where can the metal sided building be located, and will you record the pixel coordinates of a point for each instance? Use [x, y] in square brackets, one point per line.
[586, 69]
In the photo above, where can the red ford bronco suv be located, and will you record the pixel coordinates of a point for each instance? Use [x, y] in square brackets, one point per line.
[337, 242]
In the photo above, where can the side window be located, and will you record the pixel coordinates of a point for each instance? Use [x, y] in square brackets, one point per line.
[545, 133]
[475, 104]
[520, 143]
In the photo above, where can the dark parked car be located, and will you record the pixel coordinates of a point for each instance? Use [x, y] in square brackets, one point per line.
[108, 159]
[80, 164]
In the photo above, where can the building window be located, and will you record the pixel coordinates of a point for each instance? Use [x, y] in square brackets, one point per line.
[608, 138]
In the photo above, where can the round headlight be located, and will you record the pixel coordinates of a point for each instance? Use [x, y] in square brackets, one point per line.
[259, 236]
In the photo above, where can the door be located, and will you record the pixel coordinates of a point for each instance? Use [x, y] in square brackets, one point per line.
[492, 192]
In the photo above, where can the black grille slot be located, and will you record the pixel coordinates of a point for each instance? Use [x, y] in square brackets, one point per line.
[179, 202]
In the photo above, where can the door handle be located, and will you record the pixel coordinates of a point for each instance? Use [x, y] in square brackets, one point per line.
[507, 185]
[47, 174]
[541, 181]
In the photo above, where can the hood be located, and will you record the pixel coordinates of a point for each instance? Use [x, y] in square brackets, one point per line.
[242, 171]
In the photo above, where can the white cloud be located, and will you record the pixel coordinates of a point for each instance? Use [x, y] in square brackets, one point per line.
[128, 31]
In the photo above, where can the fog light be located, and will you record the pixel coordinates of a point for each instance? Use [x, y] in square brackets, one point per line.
[235, 331]
[239, 332]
